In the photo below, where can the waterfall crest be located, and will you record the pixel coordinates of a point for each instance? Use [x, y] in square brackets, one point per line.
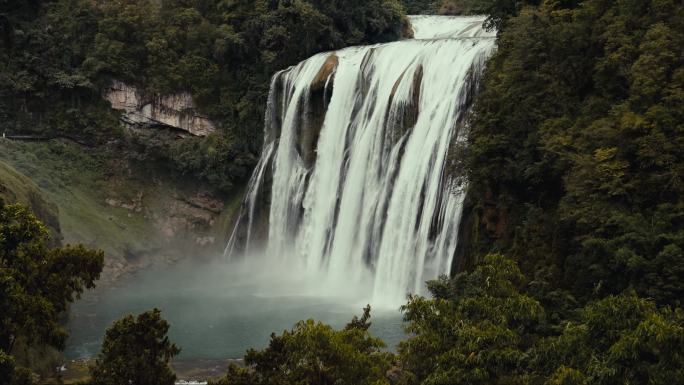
[351, 183]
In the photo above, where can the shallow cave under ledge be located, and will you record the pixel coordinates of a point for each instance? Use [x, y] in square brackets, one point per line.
[174, 111]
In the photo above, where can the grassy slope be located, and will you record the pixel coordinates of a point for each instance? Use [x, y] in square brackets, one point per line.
[18, 188]
[80, 181]
[74, 181]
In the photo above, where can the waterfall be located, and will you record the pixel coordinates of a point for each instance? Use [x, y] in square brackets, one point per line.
[351, 184]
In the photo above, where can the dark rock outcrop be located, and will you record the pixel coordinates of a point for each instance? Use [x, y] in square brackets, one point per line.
[320, 92]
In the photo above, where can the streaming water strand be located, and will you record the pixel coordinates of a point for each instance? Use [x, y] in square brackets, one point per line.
[352, 182]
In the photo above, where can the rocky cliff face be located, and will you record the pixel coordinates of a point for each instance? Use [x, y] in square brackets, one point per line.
[163, 227]
[140, 213]
[176, 111]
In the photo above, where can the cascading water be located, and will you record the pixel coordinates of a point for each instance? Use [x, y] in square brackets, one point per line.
[351, 184]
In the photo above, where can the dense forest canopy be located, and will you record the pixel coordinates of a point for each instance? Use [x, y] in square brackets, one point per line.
[37, 284]
[575, 167]
[57, 56]
[136, 350]
[577, 137]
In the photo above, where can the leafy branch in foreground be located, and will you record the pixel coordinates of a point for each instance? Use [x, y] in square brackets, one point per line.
[37, 283]
[482, 328]
[136, 351]
[315, 353]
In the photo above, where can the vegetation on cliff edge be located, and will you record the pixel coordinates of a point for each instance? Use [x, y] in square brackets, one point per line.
[56, 57]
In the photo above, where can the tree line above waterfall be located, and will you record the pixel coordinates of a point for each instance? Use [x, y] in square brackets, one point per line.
[57, 56]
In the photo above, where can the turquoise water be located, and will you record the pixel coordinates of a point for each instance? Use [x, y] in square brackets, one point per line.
[218, 310]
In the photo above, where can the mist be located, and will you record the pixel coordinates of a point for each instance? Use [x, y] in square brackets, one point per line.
[219, 308]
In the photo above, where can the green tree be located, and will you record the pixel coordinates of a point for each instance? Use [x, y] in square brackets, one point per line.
[575, 155]
[136, 351]
[419, 7]
[481, 328]
[37, 282]
[476, 330]
[621, 339]
[6, 367]
[315, 353]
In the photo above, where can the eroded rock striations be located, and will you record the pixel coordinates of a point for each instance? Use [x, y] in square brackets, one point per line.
[177, 111]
